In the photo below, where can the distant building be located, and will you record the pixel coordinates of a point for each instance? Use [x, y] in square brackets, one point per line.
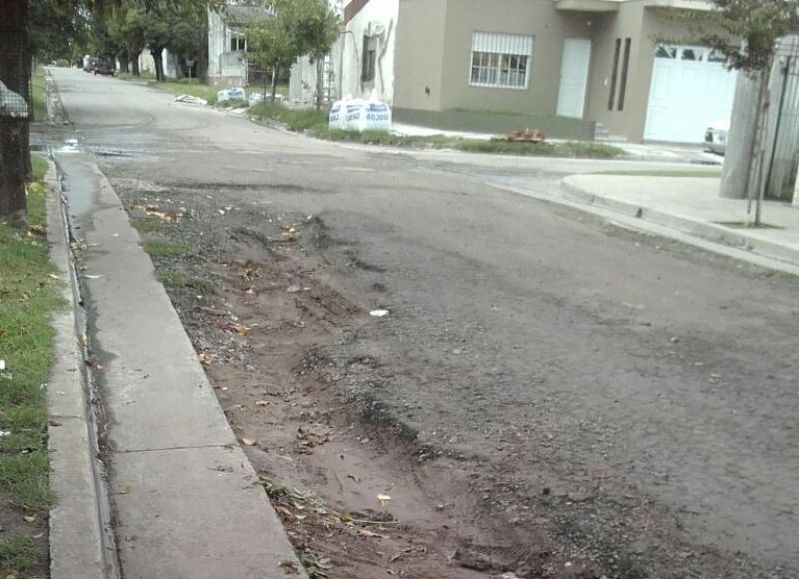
[227, 45]
[592, 63]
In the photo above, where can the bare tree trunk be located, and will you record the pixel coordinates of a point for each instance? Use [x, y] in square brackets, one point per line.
[320, 82]
[158, 59]
[134, 63]
[275, 72]
[124, 61]
[14, 73]
[756, 184]
[27, 163]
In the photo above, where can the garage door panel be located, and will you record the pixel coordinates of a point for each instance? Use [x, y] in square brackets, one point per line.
[688, 93]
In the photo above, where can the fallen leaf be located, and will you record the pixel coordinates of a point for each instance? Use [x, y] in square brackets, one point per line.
[383, 499]
[30, 518]
[54, 276]
[249, 441]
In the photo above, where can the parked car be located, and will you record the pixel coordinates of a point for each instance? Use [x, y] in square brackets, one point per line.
[103, 69]
[716, 137]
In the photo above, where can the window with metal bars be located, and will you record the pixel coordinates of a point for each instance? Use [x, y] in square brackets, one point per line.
[501, 60]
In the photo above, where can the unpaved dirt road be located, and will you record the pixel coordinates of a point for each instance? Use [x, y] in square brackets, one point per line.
[547, 390]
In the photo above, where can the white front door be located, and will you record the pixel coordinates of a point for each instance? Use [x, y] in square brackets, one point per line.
[574, 77]
[691, 90]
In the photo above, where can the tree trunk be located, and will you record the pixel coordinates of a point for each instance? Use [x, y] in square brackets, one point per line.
[158, 59]
[275, 72]
[14, 73]
[320, 82]
[124, 61]
[756, 150]
[758, 177]
[27, 163]
[134, 64]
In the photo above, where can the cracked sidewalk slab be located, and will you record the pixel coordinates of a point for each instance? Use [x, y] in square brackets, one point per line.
[187, 502]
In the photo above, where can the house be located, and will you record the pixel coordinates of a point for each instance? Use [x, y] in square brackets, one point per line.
[571, 67]
[227, 45]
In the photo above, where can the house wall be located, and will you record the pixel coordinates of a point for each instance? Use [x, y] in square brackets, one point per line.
[536, 18]
[385, 12]
[418, 64]
[646, 26]
[225, 68]
[626, 23]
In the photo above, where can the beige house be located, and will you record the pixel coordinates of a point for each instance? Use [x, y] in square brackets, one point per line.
[617, 66]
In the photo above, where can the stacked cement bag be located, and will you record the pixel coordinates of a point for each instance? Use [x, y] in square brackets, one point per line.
[360, 115]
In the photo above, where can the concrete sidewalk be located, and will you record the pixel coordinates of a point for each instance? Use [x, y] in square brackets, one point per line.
[691, 205]
[186, 502]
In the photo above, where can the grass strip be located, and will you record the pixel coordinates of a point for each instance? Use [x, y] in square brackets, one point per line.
[163, 248]
[314, 123]
[28, 298]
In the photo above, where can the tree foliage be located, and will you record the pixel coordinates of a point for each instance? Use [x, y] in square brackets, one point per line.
[752, 30]
[295, 28]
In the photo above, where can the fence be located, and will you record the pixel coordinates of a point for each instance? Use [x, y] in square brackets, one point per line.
[782, 150]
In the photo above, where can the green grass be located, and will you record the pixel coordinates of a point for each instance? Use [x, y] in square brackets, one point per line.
[314, 123]
[150, 224]
[143, 75]
[39, 94]
[40, 167]
[162, 248]
[667, 173]
[294, 119]
[176, 279]
[28, 297]
[18, 554]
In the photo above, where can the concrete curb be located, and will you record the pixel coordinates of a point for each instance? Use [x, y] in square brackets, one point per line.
[79, 525]
[708, 231]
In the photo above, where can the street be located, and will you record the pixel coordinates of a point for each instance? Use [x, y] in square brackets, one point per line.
[546, 387]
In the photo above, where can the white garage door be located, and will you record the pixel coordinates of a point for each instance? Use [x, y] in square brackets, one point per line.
[691, 90]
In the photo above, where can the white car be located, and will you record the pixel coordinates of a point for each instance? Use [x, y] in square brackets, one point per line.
[716, 137]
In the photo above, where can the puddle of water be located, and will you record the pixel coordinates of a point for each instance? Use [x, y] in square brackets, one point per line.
[69, 146]
[80, 186]
[111, 153]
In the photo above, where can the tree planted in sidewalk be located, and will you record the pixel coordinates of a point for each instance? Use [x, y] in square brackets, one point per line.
[318, 29]
[752, 30]
[271, 42]
[294, 28]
